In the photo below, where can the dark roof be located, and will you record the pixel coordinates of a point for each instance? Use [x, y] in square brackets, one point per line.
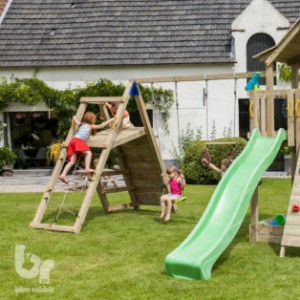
[122, 32]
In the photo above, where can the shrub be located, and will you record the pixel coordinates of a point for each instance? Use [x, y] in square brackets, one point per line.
[195, 171]
[7, 157]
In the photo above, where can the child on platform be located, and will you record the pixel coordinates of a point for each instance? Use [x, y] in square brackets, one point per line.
[125, 120]
[78, 146]
[224, 165]
[176, 181]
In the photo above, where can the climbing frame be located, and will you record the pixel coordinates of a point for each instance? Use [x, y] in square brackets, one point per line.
[137, 154]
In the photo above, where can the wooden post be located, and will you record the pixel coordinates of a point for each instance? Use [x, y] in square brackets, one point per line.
[295, 151]
[254, 217]
[270, 100]
[295, 71]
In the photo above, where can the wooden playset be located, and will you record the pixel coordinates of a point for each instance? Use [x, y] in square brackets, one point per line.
[137, 155]
[262, 116]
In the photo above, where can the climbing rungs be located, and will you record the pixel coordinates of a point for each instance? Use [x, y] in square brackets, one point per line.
[98, 100]
[53, 227]
[116, 190]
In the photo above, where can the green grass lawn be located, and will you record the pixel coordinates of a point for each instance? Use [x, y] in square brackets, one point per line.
[121, 255]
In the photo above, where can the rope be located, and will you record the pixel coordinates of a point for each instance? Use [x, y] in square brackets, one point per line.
[234, 107]
[177, 111]
[153, 102]
[62, 206]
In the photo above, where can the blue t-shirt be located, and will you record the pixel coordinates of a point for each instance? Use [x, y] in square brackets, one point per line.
[83, 132]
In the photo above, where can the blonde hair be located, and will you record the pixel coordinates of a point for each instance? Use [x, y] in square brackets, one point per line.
[178, 172]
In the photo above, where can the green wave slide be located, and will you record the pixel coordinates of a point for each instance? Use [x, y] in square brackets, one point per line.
[221, 220]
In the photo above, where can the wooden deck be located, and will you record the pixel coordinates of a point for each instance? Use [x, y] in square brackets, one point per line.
[124, 136]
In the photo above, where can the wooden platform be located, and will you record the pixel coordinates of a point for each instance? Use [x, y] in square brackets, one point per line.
[265, 232]
[124, 136]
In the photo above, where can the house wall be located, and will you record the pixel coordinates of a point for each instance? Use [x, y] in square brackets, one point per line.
[191, 109]
[221, 107]
[267, 20]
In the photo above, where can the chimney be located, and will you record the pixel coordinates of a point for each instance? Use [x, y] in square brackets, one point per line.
[2, 5]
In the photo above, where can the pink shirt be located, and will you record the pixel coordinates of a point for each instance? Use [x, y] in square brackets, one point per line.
[175, 186]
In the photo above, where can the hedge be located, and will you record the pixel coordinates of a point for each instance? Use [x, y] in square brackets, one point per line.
[198, 173]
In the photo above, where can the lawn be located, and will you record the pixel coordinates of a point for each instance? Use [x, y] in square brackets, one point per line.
[121, 255]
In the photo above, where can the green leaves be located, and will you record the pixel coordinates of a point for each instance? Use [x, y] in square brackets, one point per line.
[7, 156]
[64, 103]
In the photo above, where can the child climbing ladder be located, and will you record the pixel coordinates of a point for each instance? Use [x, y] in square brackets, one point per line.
[137, 153]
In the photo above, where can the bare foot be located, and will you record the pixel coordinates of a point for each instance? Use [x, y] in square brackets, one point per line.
[162, 215]
[63, 179]
[167, 218]
[89, 171]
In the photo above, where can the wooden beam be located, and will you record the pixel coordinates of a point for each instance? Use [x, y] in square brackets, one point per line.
[98, 100]
[121, 206]
[293, 31]
[196, 77]
[253, 217]
[295, 76]
[220, 143]
[270, 100]
[100, 139]
[291, 117]
[54, 227]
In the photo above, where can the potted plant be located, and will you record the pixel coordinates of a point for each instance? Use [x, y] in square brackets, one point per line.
[7, 159]
[53, 152]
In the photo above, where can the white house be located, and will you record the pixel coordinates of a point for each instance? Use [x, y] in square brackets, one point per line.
[75, 41]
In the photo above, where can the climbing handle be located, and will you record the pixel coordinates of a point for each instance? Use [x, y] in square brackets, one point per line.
[296, 108]
[289, 108]
[251, 112]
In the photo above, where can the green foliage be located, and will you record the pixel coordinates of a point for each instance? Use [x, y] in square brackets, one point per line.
[2, 126]
[187, 137]
[63, 104]
[195, 171]
[227, 131]
[28, 91]
[285, 73]
[285, 149]
[104, 267]
[7, 157]
[213, 131]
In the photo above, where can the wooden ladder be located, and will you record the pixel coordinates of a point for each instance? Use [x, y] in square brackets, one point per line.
[291, 232]
[95, 183]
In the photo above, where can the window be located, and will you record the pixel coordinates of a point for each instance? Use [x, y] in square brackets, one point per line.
[256, 44]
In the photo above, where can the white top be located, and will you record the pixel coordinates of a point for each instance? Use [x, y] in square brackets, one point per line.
[83, 132]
